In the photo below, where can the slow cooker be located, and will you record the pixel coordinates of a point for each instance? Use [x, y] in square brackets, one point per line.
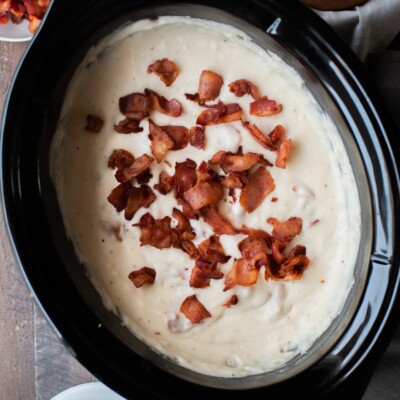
[337, 79]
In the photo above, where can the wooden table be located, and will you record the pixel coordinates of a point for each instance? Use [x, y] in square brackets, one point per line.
[35, 365]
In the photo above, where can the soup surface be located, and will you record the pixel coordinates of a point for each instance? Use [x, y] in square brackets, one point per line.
[267, 260]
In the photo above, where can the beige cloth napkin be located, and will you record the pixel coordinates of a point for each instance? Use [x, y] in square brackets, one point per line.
[367, 28]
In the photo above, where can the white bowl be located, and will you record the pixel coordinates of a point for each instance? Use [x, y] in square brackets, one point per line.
[88, 391]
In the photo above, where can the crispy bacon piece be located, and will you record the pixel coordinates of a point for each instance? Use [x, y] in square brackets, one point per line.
[284, 151]
[140, 165]
[144, 177]
[193, 310]
[287, 230]
[203, 271]
[210, 84]
[189, 247]
[217, 157]
[93, 123]
[135, 106]
[235, 180]
[165, 184]
[242, 273]
[277, 249]
[138, 197]
[179, 134]
[220, 224]
[297, 250]
[183, 227]
[165, 69]
[254, 250]
[187, 210]
[270, 141]
[5, 6]
[119, 196]
[233, 300]
[220, 114]
[157, 232]
[142, 276]
[120, 159]
[197, 137]
[172, 108]
[204, 194]
[264, 107]
[161, 143]
[127, 126]
[4, 18]
[212, 250]
[291, 269]
[259, 186]
[242, 163]
[185, 177]
[241, 87]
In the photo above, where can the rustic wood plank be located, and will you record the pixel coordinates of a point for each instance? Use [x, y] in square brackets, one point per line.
[17, 377]
[56, 368]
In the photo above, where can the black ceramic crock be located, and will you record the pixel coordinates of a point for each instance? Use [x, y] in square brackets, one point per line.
[48, 263]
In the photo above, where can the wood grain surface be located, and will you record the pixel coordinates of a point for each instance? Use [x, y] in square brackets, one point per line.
[34, 364]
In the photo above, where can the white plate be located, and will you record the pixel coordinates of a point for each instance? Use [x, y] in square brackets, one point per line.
[15, 32]
[88, 391]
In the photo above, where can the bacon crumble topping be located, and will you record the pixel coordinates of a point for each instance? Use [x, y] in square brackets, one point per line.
[142, 276]
[199, 189]
[193, 310]
[165, 69]
[93, 123]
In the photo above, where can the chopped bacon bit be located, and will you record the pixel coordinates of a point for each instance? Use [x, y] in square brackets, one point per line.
[197, 137]
[193, 310]
[165, 69]
[189, 247]
[157, 232]
[257, 233]
[259, 186]
[254, 250]
[183, 226]
[204, 194]
[270, 141]
[277, 249]
[203, 271]
[94, 123]
[139, 197]
[140, 165]
[127, 126]
[4, 18]
[220, 114]
[284, 151]
[212, 250]
[233, 300]
[297, 250]
[206, 174]
[135, 106]
[144, 177]
[172, 108]
[217, 157]
[235, 180]
[263, 107]
[185, 177]
[166, 183]
[285, 231]
[274, 199]
[210, 84]
[120, 159]
[242, 273]
[220, 224]
[242, 87]
[119, 196]
[142, 276]
[291, 269]
[241, 163]
[187, 210]
[160, 141]
[178, 134]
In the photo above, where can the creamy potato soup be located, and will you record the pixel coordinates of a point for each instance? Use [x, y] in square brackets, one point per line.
[209, 197]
